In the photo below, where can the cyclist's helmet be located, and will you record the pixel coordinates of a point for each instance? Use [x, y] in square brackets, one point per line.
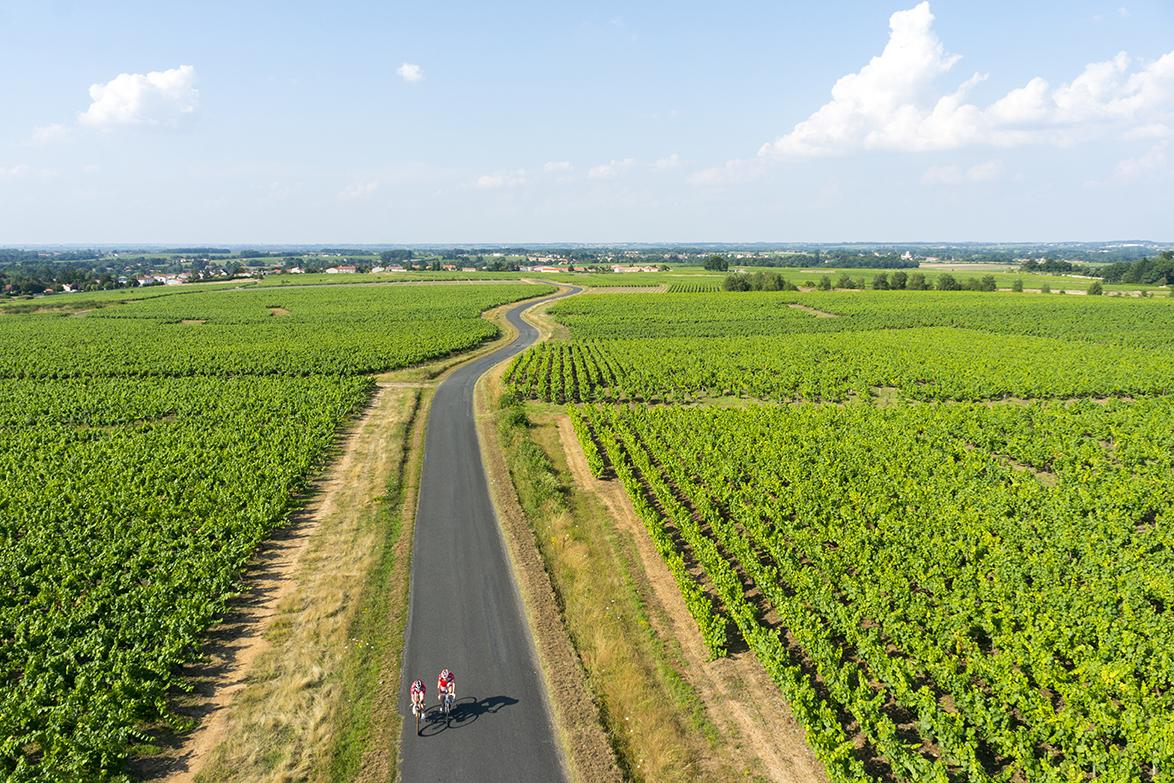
[418, 686]
[446, 675]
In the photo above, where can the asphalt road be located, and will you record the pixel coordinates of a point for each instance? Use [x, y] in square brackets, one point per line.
[465, 612]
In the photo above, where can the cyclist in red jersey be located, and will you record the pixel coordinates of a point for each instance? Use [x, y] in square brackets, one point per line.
[446, 684]
[418, 691]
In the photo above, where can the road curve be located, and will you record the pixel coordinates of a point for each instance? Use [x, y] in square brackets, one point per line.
[465, 612]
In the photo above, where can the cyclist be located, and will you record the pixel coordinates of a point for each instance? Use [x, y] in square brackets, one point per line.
[418, 691]
[446, 685]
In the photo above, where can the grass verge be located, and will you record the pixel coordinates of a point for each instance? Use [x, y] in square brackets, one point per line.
[654, 721]
[367, 721]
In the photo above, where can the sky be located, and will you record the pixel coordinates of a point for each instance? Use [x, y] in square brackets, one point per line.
[386, 122]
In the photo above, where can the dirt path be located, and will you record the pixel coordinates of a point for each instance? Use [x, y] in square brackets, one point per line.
[813, 311]
[272, 659]
[627, 289]
[762, 727]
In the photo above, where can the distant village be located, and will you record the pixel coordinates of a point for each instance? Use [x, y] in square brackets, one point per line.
[35, 271]
[537, 264]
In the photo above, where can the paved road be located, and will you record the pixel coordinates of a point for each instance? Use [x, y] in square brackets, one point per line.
[465, 611]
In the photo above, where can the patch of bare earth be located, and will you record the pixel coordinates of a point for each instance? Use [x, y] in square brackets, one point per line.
[812, 311]
[265, 696]
[280, 312]
[738, 695]
[885, 396]
[628, 289]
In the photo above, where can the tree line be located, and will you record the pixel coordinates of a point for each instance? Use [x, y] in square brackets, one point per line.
[1157, 270]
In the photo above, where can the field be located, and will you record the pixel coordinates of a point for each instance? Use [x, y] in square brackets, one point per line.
[1005, 277]
[922, 345]
[941, 522]
[146, 448]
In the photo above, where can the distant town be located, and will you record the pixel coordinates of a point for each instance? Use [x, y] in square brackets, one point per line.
[30, 271]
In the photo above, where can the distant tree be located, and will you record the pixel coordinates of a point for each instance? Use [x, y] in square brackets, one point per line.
[1045, 289]
[1017, 286]
[880, 282]
[825, 284]
[736, 283]
[917, 282]
[988, 283]
[899, 281]
[1158, 270]
[845, 281]
[947, 283]
[1096, 289]
[759, 281]
[1049, 266]
[716, 263]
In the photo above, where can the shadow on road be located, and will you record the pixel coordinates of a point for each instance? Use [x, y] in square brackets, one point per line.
[464, 712]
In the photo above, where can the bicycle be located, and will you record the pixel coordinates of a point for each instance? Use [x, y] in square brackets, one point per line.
[418, 711]
[449, 698]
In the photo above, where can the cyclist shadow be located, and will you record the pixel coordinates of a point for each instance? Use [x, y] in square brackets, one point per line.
[465, 712]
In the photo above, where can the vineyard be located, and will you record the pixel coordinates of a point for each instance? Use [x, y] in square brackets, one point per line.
[701, 286]
[942, 523]
[759, 347]
[146, 448]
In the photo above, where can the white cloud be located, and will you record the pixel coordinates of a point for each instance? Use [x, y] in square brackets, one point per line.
[729, 173]
[157, 98]
[410, 72]
[46, 134]
[502, 179]
[15, 172]
[1152, 161]
[20, 171]
[358, 191]
[611, 169]
[1156, 130]
[668, 163]
[989, 171]
[558, 167]
[894, 102]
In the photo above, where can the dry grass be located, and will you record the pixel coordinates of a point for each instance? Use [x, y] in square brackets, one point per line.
[280, 726]
[653, 717]
[584, 745]
[759, 738]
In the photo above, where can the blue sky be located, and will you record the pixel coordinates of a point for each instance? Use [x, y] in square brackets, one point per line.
[526, 122]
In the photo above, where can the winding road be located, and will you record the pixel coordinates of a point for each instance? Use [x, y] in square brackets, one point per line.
[465, 611]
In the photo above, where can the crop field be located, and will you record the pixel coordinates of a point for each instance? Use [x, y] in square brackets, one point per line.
[146, 448]
[941, 521]
[924, 345]
[698, 286]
